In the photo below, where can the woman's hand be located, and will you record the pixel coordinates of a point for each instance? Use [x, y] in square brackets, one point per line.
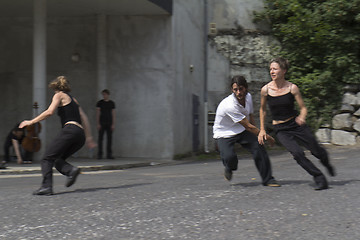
[25, 123]
[90, 143]
[300, 121]
[262, 137]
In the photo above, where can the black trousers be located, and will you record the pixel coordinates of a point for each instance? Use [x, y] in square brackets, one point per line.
[291, 135]
[105, 128]
[70, 139]
[250, 142]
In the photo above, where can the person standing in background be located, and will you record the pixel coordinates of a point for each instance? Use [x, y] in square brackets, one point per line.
[105, 118]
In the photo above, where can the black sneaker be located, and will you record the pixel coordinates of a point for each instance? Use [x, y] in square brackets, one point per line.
[321, 183]
[228, 174]
[331, 170]
[43, 191]
[272, 183]
[72, 177]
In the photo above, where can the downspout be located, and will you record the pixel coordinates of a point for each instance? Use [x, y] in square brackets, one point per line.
[206, 107]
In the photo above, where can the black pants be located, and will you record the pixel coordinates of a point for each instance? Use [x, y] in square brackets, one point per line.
[291, 135]
[70, 139]
[250, 142]
[105, 128]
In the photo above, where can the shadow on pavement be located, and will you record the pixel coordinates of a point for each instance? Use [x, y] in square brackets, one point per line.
[297, 182]
[102, 188]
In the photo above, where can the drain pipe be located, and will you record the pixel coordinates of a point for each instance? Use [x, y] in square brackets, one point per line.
[206, 107]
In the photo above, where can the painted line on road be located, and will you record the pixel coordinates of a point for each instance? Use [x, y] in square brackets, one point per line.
[57, 174]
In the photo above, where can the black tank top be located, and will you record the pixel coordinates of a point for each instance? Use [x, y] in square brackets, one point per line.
[69, 112]
[282, 107]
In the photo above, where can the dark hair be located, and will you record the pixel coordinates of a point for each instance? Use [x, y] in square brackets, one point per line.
[239, 80]
[17, 129]
[106, 91]
[283, 63]
[60, 84]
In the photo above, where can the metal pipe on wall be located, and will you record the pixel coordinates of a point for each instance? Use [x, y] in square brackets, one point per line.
[206, 108]
[101, 53]
[39, 62]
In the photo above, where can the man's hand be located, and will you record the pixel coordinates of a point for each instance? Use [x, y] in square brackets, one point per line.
[271, 140]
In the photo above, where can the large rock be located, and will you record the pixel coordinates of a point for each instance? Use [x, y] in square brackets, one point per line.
[347, 108]
[356, 125]
[340, 137]
[357, 113]
[323, 135]
[358, 98]
[342, 121]
[350, 99]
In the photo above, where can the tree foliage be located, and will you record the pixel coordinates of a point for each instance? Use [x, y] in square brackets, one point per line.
[321, 39]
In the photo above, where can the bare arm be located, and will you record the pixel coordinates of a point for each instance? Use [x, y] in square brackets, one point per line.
[16, 146]
[113, 120]
[262, 114]
[45, 114]
[301, 119]
[98, 118]
[251, 118]
[251, 128]
[87, 129]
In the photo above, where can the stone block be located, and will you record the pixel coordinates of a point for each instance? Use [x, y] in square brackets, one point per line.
[342, 121]
[357, 113]
[347, 108]
[356, 125]
[323, 135]
[350, 98]
[339, 137]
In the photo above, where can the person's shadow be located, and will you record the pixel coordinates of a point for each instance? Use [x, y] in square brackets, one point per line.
[297, 182]
[84, 190]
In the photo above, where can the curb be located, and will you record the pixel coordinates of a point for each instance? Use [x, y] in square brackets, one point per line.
[85, 168]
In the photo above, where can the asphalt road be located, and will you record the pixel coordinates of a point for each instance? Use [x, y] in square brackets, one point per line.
[187, 201]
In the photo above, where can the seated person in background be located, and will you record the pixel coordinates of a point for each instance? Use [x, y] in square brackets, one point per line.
[14, 139]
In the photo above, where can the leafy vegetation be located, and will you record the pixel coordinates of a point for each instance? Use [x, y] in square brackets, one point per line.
[321, 39]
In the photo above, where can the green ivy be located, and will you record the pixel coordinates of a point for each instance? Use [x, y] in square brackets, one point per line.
[321, 39]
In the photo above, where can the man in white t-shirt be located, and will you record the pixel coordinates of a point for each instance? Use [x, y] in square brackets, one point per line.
[234, 123]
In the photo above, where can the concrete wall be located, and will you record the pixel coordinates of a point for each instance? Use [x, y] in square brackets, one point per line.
[64, 37]
[148, 71]
[188, 49]
[239, 47]
[140, 75]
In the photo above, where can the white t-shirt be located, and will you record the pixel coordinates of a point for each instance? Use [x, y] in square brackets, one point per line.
[228, 115]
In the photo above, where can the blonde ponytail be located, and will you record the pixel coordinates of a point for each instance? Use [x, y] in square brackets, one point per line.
[60, 84]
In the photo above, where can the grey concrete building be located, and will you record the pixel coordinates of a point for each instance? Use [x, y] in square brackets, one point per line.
[167, 64]
[149, 53]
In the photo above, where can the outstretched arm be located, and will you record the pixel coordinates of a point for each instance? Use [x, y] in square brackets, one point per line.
[251, 128]
[262, 112]
[15, 144]
[45, 114]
